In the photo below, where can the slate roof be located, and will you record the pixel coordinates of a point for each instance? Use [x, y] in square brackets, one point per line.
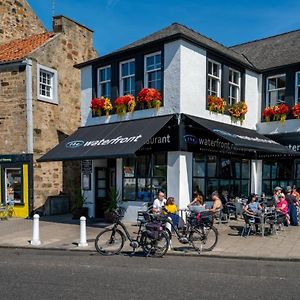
[272, 52]
[20, 48]
[174, 31]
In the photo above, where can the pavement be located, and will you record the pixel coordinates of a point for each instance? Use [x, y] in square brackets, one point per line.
[61, 232]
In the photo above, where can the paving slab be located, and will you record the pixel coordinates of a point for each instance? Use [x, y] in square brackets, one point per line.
[62, 232]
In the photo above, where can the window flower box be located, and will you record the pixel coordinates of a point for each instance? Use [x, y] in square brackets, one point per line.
[296, 110]
[238, 111]
[150, 97]
[124, 104]
[276, 113]
[216, 104]
[100, 105]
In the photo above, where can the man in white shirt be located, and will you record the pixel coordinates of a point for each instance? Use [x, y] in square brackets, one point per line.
[159, 203]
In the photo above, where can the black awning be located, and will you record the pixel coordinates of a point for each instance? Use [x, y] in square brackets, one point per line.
[289, 139]
[106, 140]
[242, 138]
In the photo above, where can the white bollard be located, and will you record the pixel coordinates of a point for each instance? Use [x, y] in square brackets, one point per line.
[82, 242]
[36, 231]
[169, 227]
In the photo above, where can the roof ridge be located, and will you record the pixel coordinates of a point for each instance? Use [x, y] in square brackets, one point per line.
[264, 38]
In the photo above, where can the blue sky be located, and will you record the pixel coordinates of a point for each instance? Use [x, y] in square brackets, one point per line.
[117, 23]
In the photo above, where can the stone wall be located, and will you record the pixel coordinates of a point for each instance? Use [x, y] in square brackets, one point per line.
[12, 110]
[17, 20]
[53, 122]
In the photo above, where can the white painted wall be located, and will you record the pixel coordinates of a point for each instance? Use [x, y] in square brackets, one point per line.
[179, 177]
[86, 95]
[276, 127]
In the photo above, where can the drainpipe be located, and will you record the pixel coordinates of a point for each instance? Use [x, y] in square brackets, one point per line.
[29, 113]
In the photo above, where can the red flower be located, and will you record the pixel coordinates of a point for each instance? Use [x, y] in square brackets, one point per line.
[147, 95]
[296, 110]
[97, 103]
[124, 100]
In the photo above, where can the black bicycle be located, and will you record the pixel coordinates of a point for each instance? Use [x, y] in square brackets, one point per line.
[150, 237]
[198, 231]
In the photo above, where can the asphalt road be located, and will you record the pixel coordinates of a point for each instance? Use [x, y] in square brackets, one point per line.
[41, 274]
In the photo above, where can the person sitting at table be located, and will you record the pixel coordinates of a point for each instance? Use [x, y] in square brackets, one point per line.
[282, 207]
[197, 203]
[253, 208]
[170, 209]
[217, 203]
[295, 192]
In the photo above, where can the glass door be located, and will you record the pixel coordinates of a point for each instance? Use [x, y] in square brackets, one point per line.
[13, 185]
[100, 191]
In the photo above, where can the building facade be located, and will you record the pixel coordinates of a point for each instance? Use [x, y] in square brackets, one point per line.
[183, 146]
[39, 104]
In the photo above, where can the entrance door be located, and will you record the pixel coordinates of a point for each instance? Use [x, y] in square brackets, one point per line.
[101, 191]
[13, 185]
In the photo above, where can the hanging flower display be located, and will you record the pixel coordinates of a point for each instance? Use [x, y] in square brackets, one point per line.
[100, 105]
[280, 112]
[296, 110]
[150, 97]
[125, 103]
[268, 113]
[238, 111]
[216, 104]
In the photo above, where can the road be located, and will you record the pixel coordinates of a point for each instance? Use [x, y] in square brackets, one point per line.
[42, 274]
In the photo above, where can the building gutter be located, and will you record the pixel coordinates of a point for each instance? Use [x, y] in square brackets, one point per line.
[29, 112]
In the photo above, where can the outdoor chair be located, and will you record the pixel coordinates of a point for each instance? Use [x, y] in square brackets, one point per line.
[249, 226]
[229, 210]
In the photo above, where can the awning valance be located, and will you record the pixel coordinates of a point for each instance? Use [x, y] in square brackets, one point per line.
[241, 138]
[106, 140]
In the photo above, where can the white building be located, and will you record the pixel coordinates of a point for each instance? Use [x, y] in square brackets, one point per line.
[182, 146]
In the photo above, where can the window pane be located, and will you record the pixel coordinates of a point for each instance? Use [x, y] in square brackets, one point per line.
[212, 185]
[281, 82]
[298, 95]
[298, 171]
[298, 78]
[199, 167]
[129, 189]
[144, 189]
[13, 184]
[216, 70]
[266, 187]
[209, 68]
[129, 167]
[225, 168]
[199, 185]
[273, 98]
[245, 169]
[211, 166]
[160, 165]
[159, 184]
[143, 166]
[125, 69]
[266, 171]
[214, 86]
[281, 95]
[245, 188]
[271, 83]
[132, 68]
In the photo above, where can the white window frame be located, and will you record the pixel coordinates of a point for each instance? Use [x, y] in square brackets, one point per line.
[54, 85]
[147, 72]
[99, 89]
[236, 85]
[296, 88]
[219, 79]
[277, 89]
[128, 76]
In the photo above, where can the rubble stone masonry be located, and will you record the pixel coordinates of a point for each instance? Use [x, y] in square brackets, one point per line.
[17, 20]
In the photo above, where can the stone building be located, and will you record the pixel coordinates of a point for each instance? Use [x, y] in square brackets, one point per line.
[39, 103]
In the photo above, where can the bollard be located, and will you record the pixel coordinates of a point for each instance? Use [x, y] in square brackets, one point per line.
[169, 227]
[36, 231]
[82, 242]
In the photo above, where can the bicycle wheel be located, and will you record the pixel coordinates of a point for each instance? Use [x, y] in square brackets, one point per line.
[204, 238]
[109, 242]
[155, 247]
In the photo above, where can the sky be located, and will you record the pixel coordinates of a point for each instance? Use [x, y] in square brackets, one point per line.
[117, 23]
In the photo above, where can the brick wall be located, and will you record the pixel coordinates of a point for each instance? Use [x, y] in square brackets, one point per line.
[17, 20]
[12, 110]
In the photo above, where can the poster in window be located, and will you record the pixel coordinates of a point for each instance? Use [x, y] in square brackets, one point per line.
[86, 182]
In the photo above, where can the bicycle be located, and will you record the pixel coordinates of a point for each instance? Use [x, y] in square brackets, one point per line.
[150, 237]
[198, 231]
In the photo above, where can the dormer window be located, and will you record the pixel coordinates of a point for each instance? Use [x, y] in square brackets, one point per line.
[127, 77]
[153, 71]
[275, 90]
[104, 85]
[214, 78]
[234, 86]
